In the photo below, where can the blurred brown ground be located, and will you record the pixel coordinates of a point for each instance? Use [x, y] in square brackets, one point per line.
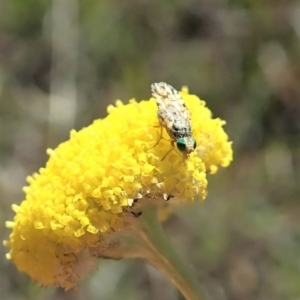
[63, 61]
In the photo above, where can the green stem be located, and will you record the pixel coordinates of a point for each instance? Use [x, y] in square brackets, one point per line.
[163, 257]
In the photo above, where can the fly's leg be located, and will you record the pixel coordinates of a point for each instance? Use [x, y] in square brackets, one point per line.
[173, 146]
[160, 138]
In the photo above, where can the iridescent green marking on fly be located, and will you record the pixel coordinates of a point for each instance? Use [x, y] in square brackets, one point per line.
[174, 116]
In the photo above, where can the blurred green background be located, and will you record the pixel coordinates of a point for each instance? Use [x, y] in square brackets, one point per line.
[63, 61]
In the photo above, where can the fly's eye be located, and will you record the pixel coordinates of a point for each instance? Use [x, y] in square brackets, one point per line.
[194, 145]
[181, 145]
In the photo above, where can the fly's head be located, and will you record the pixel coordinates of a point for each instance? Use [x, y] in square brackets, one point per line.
[186, 145]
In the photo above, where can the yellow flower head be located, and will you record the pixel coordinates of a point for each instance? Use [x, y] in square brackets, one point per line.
[90, 181]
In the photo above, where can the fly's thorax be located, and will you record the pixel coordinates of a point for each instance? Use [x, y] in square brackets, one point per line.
[181, 129]
[186, 145]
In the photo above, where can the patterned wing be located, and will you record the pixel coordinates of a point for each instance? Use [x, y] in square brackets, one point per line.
[172, 112]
